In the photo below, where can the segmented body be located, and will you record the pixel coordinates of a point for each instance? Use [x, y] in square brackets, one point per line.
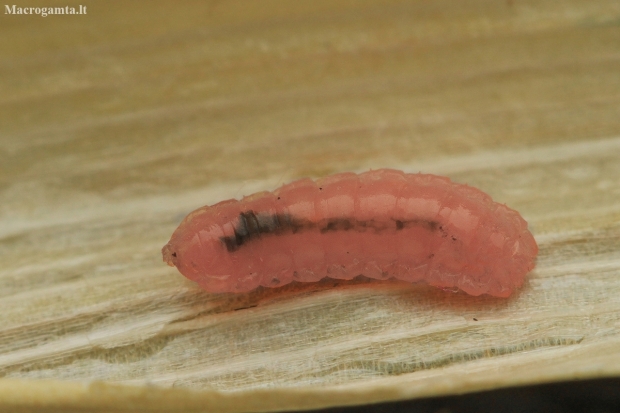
[380, 224]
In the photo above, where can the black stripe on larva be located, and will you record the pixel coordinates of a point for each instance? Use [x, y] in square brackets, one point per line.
[267, 223]
[337, 225]
[230, 243]
[251, 225]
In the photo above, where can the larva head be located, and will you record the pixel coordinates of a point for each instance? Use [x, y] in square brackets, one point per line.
[200, 260]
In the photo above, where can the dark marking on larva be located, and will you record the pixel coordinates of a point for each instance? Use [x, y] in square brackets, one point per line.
[267, 223]
[251, 225]
[230, 243]
[337, 225]
[241, 231]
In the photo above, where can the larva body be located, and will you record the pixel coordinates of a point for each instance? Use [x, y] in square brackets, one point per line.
[381, 224]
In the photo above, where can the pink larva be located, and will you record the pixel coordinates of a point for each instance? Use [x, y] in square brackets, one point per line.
[380, 224]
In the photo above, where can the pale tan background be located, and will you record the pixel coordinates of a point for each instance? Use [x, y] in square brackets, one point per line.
[115, 124]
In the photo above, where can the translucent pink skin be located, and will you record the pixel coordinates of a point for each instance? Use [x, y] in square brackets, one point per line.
[457, 237]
